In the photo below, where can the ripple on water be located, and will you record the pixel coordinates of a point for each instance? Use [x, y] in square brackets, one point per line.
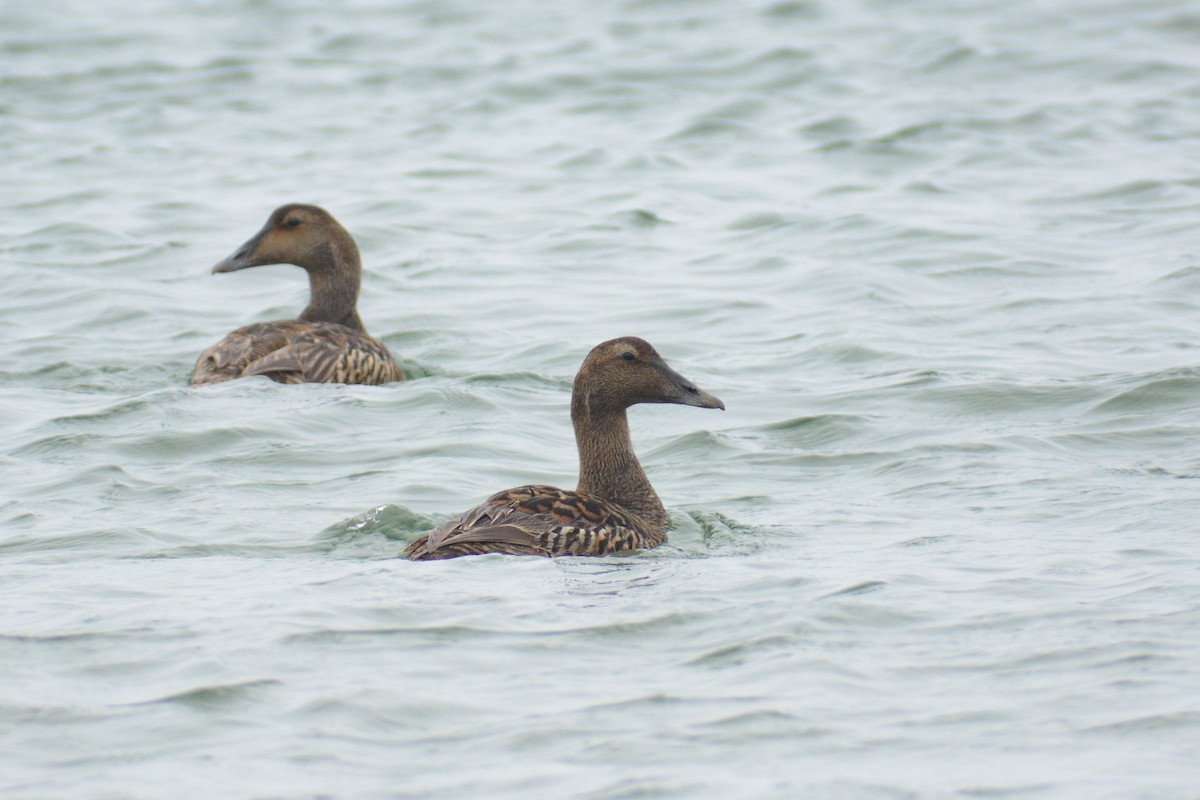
[217, 696]
[1153, 393]
[813, 431]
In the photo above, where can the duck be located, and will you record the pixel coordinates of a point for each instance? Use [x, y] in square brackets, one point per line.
[613, 508]
[328, 342]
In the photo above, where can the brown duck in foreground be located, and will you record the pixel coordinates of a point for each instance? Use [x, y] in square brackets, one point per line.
[328, 343]
[614, 507]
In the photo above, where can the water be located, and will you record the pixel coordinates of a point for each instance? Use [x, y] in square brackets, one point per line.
[939, 259]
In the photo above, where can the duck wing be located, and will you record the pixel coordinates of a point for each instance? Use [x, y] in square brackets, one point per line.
[324, 352]
[227, 359]
[537, 520]
[299, 352]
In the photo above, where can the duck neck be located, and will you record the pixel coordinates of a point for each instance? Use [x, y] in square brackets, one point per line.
[608, 467]
[333, 282]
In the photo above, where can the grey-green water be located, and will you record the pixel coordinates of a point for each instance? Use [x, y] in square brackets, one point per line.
[941, 260]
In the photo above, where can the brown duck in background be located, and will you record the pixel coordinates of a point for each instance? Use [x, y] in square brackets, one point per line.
[614, 507]
[328, 343]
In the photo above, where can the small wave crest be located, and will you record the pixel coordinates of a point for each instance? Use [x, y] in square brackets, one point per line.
[380, 532]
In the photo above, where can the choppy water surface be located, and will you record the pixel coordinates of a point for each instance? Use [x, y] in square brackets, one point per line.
[941, 261]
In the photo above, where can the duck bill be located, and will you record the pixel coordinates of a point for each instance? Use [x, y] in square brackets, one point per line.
[707, 400]
[688, 393]
[243, 257]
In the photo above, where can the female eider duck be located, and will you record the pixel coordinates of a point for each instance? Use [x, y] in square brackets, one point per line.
[614, 507]
[328, 343]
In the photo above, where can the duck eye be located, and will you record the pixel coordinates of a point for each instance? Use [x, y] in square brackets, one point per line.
[628, 356]
[292, 223]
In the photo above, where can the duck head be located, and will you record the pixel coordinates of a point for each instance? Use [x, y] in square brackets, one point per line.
[304, 235]
[623, 372]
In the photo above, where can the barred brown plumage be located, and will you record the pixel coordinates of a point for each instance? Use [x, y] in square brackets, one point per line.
[614, 508]
[328, 342]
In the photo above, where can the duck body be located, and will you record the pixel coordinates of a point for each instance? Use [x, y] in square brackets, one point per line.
[294, 351]
[613, 508]
[328, 342]
[539, 521]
